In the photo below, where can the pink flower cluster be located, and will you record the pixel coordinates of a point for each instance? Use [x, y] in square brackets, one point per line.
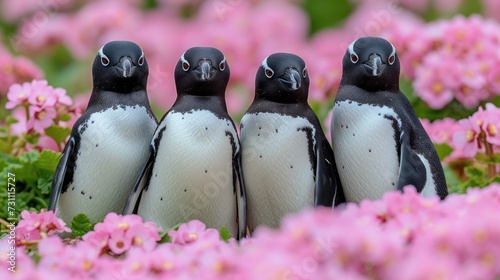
[117, 234]
[37, 106]
[35, 226]
[451, 59]
[478, 131]
[423, 238]
[470, 136]
[16, 70]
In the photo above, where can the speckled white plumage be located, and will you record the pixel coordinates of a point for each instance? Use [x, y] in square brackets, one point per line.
[279, 177]
[192, 176]
[365, 149]
[113, 147]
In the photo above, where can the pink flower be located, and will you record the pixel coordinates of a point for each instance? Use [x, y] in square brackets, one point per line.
[118, 242]
[486, 122]
[42, 95]
[41, 118]
[18, 94]
[491, 124]
[62, 98]
[120, 233]
[191, 232]
[34, 226]
[435, 80]
[143, 238]
[467, 139]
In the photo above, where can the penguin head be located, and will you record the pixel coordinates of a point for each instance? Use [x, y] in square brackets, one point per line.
[282, 78]
[202, 71]
[371, 63]
[120, 66]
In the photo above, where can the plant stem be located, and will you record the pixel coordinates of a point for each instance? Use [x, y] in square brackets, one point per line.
[492, 171]
[5, 223]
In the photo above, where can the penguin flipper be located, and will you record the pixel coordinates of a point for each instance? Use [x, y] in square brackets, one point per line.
[411, 168]
[328, 190]
[60, 174]
[134, 198]
[241, 198]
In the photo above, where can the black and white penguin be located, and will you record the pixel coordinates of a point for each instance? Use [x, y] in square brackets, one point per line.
[287, 160]
[194, 169]
[109, 143]
[377, 138]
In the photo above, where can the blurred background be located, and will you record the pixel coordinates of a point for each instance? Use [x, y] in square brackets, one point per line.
[57, 40]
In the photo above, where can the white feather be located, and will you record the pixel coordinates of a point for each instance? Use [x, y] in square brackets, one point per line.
[113, 147]
[365, 149]
[279, 178]
[192, 177]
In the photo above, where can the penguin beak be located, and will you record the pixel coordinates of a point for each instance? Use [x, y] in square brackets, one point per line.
[205, 71]
[374, 65]
[125, 67]
[291, 79]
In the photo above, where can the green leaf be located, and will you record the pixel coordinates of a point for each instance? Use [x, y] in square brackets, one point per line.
[59, 134]
[225, 234]
[80, 225]
[65, 117]
[165, 238]
[44, 182]
[474, 172]
[452, 179]
[443, 150]
[29, 157]
[493, 159]
[48, 160]
[11, 120]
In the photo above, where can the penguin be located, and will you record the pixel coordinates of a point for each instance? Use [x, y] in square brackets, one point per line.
[194, 168]
[379, 142]
[109, 143]
[287, 161]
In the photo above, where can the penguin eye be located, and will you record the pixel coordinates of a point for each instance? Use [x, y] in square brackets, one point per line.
[184, 63]
[352, 54]
[305, 72]
[222, 65]
[104, 61]
[104, 58]
[391, 59]
[354, 58]
[269, 72]
[141, 60]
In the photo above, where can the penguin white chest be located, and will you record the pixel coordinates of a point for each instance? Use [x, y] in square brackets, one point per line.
[113, 147]
[365, 146]
[279, 176]
[192, 177]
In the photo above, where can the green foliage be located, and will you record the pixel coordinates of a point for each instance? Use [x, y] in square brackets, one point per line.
[225, 234]
[165, 238]
[326, 13]
[443, 150]
[33, 172]
[58, 133]
[80, 225]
